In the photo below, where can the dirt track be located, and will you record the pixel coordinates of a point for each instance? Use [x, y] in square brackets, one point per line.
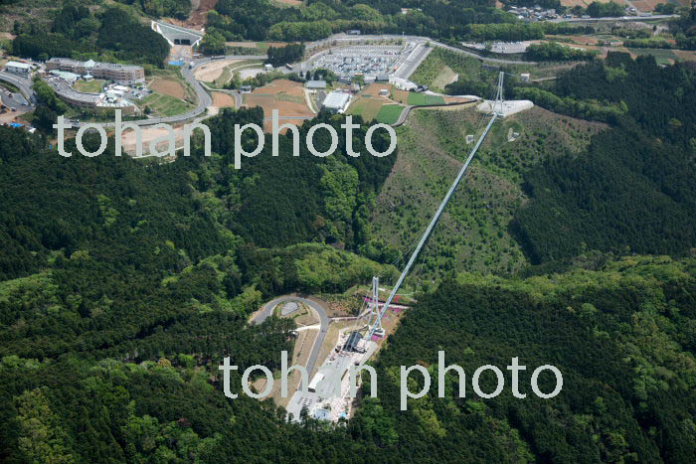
[209, 72]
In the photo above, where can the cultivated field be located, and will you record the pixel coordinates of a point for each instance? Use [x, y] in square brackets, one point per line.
[369, 102]
[223, 100]
[286, 96]
[367, 106]
[169, 87]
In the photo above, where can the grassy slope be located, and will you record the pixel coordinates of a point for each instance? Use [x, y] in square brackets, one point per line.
[441, 65]
[35, 10]
[473, 233]
[439, 68]
[165, 105]
[424, 99]
[389, 114]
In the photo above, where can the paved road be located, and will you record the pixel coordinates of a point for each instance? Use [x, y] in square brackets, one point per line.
[14, 100]
[487, 59]
[415, 58]
[338, 38]
[619, 18]
[203, 97]
[236, 94]
[407, 111]
[24, 85]
[268, 308]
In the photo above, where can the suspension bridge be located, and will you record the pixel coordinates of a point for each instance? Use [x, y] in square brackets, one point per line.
[497, 112]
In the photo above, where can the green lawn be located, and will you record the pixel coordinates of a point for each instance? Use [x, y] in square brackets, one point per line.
[389, 114]
[93, 86]
[165, 105]
[424, 99]
[366, 107]
[662, 56]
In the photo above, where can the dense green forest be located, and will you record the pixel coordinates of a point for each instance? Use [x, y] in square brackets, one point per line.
[472, 19]
[113, 33]
[113, 362]
[553, 51]
[179, 9]
[124, 283]
[633, 190]
[286, 200]
[278, 56]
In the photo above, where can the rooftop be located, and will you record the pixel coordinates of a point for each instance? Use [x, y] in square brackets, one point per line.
[316, 84]
[92, 64]
[336, 100]
[17, 64]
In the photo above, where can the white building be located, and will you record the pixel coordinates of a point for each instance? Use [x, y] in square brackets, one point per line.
[337, 102]
[15, 67]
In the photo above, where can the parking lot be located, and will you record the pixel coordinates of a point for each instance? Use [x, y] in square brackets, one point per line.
[372, 61]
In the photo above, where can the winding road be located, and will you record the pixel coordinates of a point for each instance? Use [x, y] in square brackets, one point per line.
[267, 310]
[205, 100]
[202, 95]
[24, 85]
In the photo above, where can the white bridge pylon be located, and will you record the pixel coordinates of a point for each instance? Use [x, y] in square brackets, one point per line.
[498, 108]
[374, 311]
[497, 112]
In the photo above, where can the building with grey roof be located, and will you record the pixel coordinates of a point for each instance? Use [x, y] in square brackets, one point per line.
[122, 73]
[15, 67]
[316, 85]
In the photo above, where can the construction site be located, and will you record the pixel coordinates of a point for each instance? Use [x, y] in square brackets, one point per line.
[328, 344]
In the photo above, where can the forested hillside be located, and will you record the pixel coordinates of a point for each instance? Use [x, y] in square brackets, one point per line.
[453, 20]
[109, 263]
[125, 282]
[474, 234]
[623, 336]
[111, 33]
[283, 200]
[634, 189]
